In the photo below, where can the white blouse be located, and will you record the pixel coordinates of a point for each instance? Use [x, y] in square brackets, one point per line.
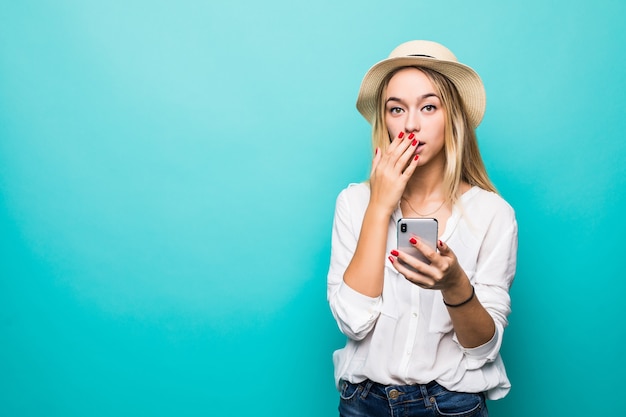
[405, 336]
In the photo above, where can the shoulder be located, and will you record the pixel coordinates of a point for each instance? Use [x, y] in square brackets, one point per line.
[487, 205]
[356, 194]
[352, 202]
[486, 200]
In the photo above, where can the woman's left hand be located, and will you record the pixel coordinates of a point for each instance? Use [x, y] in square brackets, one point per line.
[443, 272]
[472, 324]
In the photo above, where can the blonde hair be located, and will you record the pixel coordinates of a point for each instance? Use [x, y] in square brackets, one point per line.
[463, 159]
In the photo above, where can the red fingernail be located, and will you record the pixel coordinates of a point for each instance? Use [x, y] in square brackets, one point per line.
[416, 157]
[401, 135]
[395, 252]
[376, 152]
[440, 243]
[413, 241]
[411, 136]
[391, 259]
[414, 142]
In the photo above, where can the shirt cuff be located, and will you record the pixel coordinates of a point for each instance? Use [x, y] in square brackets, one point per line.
[359, 302]
[476, 357]
[359, 310]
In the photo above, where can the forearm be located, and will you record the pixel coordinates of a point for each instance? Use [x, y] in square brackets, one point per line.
[365, 272]
[472, 324]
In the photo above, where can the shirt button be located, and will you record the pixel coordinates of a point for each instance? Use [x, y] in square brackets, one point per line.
[414, 314]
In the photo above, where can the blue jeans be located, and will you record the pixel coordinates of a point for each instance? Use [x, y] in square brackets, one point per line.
[370, 399]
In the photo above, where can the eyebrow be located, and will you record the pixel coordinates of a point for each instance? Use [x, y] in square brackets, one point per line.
[420, 98]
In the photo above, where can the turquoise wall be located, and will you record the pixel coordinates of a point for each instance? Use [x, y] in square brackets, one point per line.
[168, 172]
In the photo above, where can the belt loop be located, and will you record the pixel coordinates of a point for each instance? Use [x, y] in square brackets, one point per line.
[425, 396]
[366, 388]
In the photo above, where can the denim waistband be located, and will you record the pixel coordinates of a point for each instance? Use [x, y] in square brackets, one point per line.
[394, 391]
[430, 396]
[431, 384]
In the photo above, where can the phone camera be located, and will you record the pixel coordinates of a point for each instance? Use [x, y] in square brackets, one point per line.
[403, 227]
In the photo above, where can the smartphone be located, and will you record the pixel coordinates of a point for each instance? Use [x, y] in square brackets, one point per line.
[425, 229]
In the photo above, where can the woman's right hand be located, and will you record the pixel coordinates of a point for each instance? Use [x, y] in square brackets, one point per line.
[391, 171]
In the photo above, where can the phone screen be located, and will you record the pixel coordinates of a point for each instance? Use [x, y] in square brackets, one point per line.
[425, 229]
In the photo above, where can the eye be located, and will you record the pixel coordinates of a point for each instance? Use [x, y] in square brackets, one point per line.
[396, 110]
[429, 108]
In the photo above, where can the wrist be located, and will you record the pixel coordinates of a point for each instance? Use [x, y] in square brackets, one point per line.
[459, 294]
[462, 303]
[379, 211]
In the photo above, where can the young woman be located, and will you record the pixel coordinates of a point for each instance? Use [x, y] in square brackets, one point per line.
[422, 341]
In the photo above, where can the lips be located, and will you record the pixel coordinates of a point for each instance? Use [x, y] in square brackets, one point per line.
[420, 147]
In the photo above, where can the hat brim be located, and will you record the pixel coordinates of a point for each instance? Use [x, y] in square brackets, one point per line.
[466, 80]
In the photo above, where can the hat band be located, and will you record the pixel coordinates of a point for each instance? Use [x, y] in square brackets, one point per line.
[426, 56]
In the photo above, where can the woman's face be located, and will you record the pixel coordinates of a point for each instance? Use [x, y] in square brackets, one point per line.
[412, 106]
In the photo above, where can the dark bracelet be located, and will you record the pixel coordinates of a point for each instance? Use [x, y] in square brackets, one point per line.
[462, 303]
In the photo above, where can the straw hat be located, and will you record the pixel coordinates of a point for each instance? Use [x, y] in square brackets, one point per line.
[429, 55]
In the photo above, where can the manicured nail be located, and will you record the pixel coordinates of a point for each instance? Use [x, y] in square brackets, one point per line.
[440, 243]
[391, 259]
[413, 241]
[376, 152]
[411, 136]
[414, 142]
[395, 252]
[416, 157]
[401, 135]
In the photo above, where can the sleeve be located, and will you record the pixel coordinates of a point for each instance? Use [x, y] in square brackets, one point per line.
[355, 313]
[495, 271]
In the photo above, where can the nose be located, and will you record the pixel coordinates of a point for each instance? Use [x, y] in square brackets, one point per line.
[412, 121]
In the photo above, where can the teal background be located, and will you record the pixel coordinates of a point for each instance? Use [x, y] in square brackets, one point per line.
[168, 172]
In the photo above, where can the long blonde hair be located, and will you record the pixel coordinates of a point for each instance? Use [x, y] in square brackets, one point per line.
[463, 159]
